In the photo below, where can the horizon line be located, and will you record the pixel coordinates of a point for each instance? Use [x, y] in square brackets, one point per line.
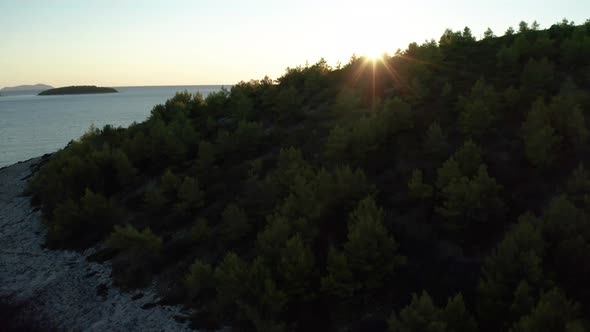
[124, 86]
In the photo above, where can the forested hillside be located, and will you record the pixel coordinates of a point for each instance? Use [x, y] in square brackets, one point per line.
[445, 188]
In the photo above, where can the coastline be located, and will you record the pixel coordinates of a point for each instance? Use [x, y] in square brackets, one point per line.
[46, 290]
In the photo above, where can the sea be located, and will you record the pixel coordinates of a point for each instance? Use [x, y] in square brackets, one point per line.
[32, 125]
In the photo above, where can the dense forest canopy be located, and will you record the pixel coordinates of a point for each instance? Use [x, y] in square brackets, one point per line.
[445, 188]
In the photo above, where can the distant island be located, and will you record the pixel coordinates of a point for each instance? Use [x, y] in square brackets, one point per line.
[35, 87]
[77, 90]
[24, 89]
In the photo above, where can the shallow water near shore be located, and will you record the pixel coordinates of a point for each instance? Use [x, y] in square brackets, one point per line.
[32, 125]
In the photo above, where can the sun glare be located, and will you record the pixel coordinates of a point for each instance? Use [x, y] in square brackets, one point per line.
[374, 54]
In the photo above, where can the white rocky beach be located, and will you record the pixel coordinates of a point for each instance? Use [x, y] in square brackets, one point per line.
[62, 290]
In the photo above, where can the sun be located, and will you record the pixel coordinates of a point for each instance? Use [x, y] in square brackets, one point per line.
[370, 45]
[374, 54]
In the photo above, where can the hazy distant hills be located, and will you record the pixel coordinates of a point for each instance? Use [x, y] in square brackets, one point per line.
[36, 87]
[22, 90]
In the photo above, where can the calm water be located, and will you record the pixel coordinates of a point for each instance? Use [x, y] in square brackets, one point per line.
[32, 125]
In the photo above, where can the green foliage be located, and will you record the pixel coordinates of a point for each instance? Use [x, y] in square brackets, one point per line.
[423, 315]
[139, 254]
[200, 281]
[142, 244]
[420, 315]
[469, 158]
[436, 143]
[201, 231]
[216, 102]
[578, 184]
[272, 238]
[507, 57]
[230, 276]
[464, 163]
[457, 38]
[368, 258]
[322, 194]
[362, 140]
[467, 200]
[540, 138]
[234, 223]
[396, 115]
[575, 50]
[154, 199]
[245, 140]
[417, 189]
[288, 105]
[447, 173]
[537, 75]
[457, 317]
[169, 183]
[280, 171]
[347, 103]
[476, 118]
[190, 196]
[553, 312]
[290, 165]
[207, 157]
[165, 144]
[337, 143]
[510, 274]
[478, 109]
[240, 103]
[567, 116]
[157, 197]
[567, 233]
[263, 302]
[523, 300]
[296, 269]
[84, 222]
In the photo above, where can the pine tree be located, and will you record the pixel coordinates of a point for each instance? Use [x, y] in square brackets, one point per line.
[578, 184]
[456, 316]
[190, 196]
[539, 136]
[420, 315]
[368, 259]
[517, 259]
[553, 312]
[230, 279]
[448, 172]
[234, 224]
[468, 200]
[296, 268]
[154, 200]
[207, 157]
[469, 158]
[199, 281]
[417, 189]
[435, 142]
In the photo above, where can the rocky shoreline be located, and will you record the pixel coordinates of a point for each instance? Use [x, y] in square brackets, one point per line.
[47, 290]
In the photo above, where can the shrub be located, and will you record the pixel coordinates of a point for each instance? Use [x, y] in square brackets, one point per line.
[141, 244]
[77, 224]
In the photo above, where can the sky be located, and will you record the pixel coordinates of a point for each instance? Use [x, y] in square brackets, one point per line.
[177, 42]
